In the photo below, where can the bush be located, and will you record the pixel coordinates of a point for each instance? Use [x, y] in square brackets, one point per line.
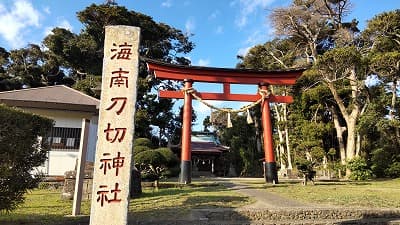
[139, 149]
[20, 152]
[142, 142]
[394, 170]
[170, 158]
[380, 158]
[151, 157]
[171, 171]
[359, 169]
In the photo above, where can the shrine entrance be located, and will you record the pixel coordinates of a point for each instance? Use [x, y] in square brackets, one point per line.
[226, 77]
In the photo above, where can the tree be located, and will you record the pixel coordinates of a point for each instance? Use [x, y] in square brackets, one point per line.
[154, 163]
[333, 48]
[21, 150]
[81, 54]
[274, 55]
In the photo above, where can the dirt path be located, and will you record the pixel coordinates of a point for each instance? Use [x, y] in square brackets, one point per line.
[264, 199]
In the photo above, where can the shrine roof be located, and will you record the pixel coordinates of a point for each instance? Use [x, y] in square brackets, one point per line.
[206, 143]
[207, 148]
[164, 70]
[51, 97]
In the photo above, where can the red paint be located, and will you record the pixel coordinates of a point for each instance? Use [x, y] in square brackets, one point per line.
[226, 97]
[165, 71]
[267, 128]
[119, 133]
[187, 124]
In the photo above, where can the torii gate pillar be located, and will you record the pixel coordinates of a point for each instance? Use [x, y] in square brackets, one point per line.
[186, 155]
[270, 171]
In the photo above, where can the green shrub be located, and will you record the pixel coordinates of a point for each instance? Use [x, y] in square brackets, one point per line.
[172, 171]
[394, 170]
[380, 159]
[142, 142]
[139, 149]
[20, 152]
[151, 157]
[359, 169]
[170, 158]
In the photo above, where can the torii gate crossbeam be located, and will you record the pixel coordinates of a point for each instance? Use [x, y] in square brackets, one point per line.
[190, 74]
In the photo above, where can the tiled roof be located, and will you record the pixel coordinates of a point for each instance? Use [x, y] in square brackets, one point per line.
[207, 148]
[51, 97]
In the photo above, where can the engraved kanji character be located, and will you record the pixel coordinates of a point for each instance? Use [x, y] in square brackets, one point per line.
[114, 103]
[119, 80]
[119, 133]
[115, 192]
[102, 195]
[105, 163]
[118, 162]
[124, 51]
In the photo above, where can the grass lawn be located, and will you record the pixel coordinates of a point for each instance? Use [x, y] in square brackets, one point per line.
[371, 194]
[46, 207]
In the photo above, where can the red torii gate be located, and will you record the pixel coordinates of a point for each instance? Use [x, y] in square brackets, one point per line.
[190, 74]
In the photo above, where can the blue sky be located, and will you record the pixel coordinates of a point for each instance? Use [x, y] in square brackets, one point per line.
[221, 29]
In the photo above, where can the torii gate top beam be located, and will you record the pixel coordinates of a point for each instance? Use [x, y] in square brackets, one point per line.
[165, 71]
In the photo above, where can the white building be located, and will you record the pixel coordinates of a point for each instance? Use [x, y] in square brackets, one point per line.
[67, 107]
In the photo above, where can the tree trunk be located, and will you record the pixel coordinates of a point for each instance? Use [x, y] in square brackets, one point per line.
[393, 103]
[351, 139]
[289, 156]
[358, 144]
[339, 135]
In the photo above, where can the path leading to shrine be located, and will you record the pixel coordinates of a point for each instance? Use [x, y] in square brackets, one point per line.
[270, 208]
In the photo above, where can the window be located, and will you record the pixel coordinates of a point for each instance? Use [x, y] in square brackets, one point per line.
[64, 139]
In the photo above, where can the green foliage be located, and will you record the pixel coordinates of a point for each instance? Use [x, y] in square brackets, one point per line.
[242, 140]
[154, 163]
[88, 85]
[359, 169]
[20, 151]
[171, 159]
[150, 157]
[380, 159]
[142, 142]
[139, 149]
[394, 170]
[304, 165]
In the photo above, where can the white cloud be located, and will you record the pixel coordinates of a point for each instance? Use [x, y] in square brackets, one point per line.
[15, 20]
[214, 15]
[47, 10]
[248, 8]
[244, 51]
[203, 62]
[256, 37]
[62, 23]
[190, 25]
[167, 4]
[219, 30]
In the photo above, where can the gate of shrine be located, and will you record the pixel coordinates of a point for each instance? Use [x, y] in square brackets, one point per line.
[191, 74]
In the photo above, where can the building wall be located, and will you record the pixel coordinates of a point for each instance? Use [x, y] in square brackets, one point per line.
[59, 162]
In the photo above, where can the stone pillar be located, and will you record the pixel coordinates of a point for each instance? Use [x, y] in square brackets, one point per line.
[113, 164]
[80, 170]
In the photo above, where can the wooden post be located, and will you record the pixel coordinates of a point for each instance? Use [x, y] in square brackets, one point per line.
[270, 171]
[113, 164]
[186, 154]
[80, 170]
